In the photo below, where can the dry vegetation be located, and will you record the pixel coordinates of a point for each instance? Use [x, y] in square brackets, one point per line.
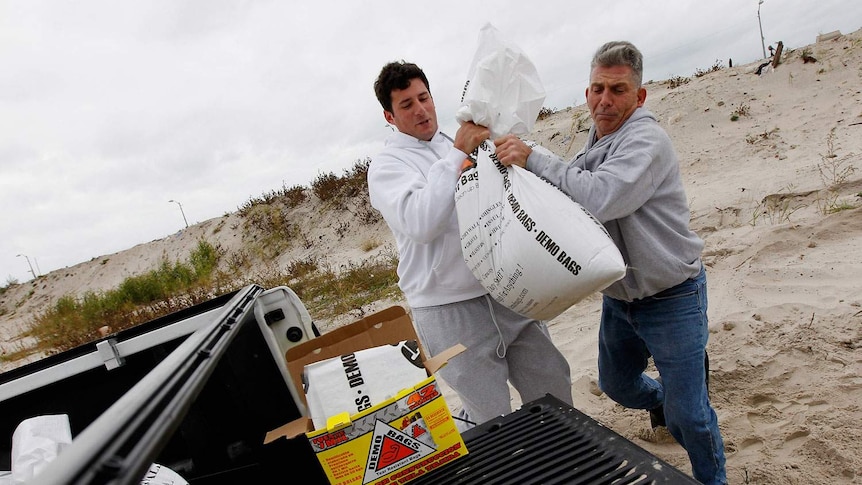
[270, 226]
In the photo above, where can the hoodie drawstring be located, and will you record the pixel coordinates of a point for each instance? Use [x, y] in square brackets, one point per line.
[502, 345]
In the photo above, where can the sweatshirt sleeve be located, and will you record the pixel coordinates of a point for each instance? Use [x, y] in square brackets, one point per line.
[416, 205]
[626, 170]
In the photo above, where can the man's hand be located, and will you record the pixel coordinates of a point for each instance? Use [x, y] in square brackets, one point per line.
[512, 151]
[470, 136]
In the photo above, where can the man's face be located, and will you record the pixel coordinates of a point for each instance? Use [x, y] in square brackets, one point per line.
[612, 97]
[413, 111]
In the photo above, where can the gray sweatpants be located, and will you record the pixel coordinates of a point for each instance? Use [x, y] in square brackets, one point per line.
[502, 346]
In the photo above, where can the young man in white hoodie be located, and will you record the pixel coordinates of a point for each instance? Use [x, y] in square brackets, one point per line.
[412, 183]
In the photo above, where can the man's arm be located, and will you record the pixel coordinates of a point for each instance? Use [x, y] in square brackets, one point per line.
[411, 203]
[623, 181]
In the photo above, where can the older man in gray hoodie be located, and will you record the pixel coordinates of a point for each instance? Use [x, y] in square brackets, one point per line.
[627, 175]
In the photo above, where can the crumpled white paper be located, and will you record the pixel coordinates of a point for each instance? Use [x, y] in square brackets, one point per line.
[38, 441]
[503, 91]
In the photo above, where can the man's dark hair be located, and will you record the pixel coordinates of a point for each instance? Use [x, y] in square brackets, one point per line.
[620, 53]
[396, 76]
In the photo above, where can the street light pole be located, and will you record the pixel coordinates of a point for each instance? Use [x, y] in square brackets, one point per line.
[28, 264]
[181, 212]
[762, 45]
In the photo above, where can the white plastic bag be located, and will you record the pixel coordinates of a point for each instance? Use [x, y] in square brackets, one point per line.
[533, 248]
[503, 91]
[36, 442]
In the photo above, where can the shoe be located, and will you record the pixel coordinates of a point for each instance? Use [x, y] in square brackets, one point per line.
[656, 417]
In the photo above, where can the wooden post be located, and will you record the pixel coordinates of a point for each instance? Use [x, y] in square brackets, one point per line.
[776, 59]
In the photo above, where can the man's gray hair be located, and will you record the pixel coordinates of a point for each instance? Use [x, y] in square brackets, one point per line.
[620, 53]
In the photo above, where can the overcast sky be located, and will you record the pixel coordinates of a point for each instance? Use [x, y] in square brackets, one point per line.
[109, 109]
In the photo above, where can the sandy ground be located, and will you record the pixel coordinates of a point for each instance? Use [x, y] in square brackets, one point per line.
[784, 271]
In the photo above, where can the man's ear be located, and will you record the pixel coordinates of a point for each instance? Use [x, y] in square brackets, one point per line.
[641, 96]
[390, 118]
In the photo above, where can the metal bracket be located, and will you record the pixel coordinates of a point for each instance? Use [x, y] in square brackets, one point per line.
[110, 354]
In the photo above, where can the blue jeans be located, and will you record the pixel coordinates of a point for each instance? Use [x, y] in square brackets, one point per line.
[671, 326]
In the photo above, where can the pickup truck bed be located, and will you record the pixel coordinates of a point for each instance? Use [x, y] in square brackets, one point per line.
[195, 391]
[198, 390]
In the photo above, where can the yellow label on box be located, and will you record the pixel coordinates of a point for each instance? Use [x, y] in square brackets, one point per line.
[393, 442]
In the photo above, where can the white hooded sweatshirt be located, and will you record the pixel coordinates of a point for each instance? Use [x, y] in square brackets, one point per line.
[412, 183]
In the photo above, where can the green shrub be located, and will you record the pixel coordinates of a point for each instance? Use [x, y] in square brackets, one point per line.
[73, 321]
[204, 259]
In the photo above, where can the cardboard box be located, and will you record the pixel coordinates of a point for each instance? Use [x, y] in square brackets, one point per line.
[394, 441]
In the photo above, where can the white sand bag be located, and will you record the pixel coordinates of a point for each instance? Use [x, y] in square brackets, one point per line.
[355, 382]
[533, 248]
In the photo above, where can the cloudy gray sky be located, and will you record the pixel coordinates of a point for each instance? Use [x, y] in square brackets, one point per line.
[109, 109]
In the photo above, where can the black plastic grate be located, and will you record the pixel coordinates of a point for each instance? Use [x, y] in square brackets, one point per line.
[549, 442]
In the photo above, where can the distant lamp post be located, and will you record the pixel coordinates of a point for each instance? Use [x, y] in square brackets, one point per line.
[181, 212]
[28, 264]
[762, 45]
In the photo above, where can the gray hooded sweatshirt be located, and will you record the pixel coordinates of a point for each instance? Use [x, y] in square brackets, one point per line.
[630, 181]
